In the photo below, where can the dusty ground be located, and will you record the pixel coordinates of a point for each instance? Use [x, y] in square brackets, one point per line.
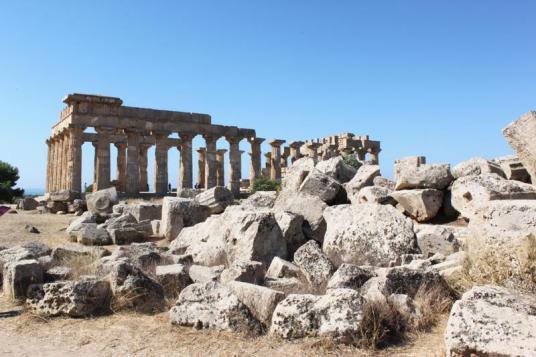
[24, 334]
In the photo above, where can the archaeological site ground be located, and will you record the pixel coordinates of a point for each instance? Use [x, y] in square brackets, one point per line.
[312, 253]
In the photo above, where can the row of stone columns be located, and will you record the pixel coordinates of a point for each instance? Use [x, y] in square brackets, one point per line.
[64, 160]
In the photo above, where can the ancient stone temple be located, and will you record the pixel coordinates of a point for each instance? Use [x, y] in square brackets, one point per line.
[133, 131]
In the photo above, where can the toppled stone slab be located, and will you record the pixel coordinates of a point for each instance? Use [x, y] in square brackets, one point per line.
[202, 274]
[179, 213]
[63, 196]
[213, 305]
[101, 202]
[280, 268]
[92, 234]
[442, 239]
[19, 275]
[31, 250]
[260, 199]
[492, 321]
[436, 176]
[80, 222]
[173, 278]
[291, 226]
[337, 169]
[84, 298]
[520, 135]
[337, 315]
[315, 264]
[145, 256]
[421, 205]
[407, 163]
[513, 168]
[471, 193]
[367, 234]
[244, 271]
[476, 166]
[380, 181]
[72, 252]
[27, 204]
[373, 194]
[350, 276]
[143, 211]
[363, 178]
[318, 184]
[216, 198]
[57, 273]
[288, 285]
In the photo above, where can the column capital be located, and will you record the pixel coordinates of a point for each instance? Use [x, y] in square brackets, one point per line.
[313, 145]
[211, 138]
[268, 155]
[160, 134]
[221, 151]
[296, 144]
[254, 140]
[276, 142]
[120, 145]
[234, 139]
[187, 135]
[202, 150]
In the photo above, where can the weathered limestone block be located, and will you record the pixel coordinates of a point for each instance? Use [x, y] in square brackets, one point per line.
[178, 213]
[443, 239]
[132, 289]
[513, 168]
[144, 211]
[373, 194]
[367, 234]
[337, 169]
[201, 274]
[173, 278]
[216, 198]
[71, 252]
[77, 206]
[145, 256]
[337, 315]
[78, 223]
[476, 166]
[471, 193]
[508, 221]
[102, 202]
[55, 206]
[27, 204]
[260, 301]
[244, 271]
[435, 176]
[363, 178]
[408, 162]
[492, 321]
[315, 264]
[297, 173]
[213, 305]
[520, 135]
[421, 205]
[288, 285]
[260, 199]
[19, 275]
[320, 185]
[125, 236]
[291, 226]
[32, 250]
[235, 235]
[409, 281]
[91, 234]
[280, 268]
[350, 276]
[56, 273]
[380, 181]
[84, 298]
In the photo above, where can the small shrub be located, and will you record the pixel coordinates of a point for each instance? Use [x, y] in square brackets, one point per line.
[89, 189]
[351, 160]
[265, 184]
[9, 175]
[510, 265]
[382, 324]
[431, 303]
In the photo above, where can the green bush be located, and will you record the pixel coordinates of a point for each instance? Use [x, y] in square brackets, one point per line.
[265, 184]
[351, 161]
[89, 188]
[9, 175]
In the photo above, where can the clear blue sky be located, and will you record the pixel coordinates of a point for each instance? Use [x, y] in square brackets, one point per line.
[434, 78]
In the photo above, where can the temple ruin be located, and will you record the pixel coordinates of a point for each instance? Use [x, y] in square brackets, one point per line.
[134, 130]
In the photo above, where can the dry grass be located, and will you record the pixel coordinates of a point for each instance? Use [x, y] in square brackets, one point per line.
[81, 265]
[432, 304]
[382, 325]
[511, 266]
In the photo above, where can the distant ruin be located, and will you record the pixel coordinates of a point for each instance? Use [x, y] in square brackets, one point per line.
[134, 130]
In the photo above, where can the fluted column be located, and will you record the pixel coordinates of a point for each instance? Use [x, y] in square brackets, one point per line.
[133, 168]
[49, 165]
[65, 153]
[121, 166]
[313, 150]
[103, 158]
[59, 162]
[255, 168]
[201, 162]
[161, 178]
[235, 165]
[220, 167]
[143, 162]
[74, 181]
[375, 157]
[186, 169]
[210, 162]
[275, 172]
[295, 153]
[361, 154]
[284, 156]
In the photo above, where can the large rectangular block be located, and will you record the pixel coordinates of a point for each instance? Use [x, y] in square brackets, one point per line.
[521, 136]
[19, 275]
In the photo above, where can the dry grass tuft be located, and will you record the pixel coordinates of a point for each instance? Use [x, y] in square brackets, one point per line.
[510, 266]
[81, 265]
[382, 325]
[432, 304]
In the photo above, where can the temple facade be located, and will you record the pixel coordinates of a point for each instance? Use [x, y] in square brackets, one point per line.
[133, 131]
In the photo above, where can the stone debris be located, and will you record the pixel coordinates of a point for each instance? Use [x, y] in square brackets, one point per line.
[203, 274]
[260, 199]
[373, 194]
[513, 168]
[320, 185]
[363, 178]
[350, 276]
[27, 204]
[244, 271]
[420, 204]
[31, 229]
[101, 202]
[436, 176]
[315, 264]
[216, 199]
[520, 135]
[179, 213]
[337, 169]
[19, 275]
[173, 278]
[477, 166]
[443, 239]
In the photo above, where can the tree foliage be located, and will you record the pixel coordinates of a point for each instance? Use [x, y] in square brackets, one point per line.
[9, 175]
[265, 184]
[351, 160]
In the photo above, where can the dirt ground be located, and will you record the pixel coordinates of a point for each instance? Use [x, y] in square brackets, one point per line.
[126, 334]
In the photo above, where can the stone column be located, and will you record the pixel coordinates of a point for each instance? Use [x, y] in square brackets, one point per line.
[220, 167]
[65, 153]
[361, 154]
[255, 168]
[59, 162]
[121, 166]
[201, 162]
[313, 150]
[103, 158]
[49, 165]
[133, 168]
[186, 169]
[235, 165]
[161, 178]
[95, 168]
[295, 153]
[74, 182]
[284, 156]
[143, 162]
[275, 172]
[268, 170]
[375, 157]
[210, 166]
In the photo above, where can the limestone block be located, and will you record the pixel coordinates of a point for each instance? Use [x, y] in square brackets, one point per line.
[63, 196]
[380, 181]
[78, 223]
[56, 273]
[55, 206]
[124, 236]
[436, 176]
[337, 169]
[101, 202]
[513, 168]
[406, 163]
[19, 275]
[315, 264]
[178, 213]
[244, 271]
[288, 285]
[363, 178]
[173, 278]
[291, 226]
[27, 204]
[280, 268]
[145, 256]
[216, 198]
[443, 239]
[421, 205]
[202, 274]
[91, 234]
[144, 211]
[373, 194]
[520, 135]
[260, 199]
[492, 321]
[71, 252]
[320, 185]
[476, 166]
[367, 234]
[350, 276]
